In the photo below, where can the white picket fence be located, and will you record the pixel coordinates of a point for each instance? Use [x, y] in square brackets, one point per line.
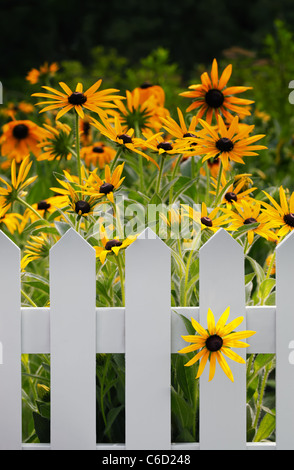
[147, 331]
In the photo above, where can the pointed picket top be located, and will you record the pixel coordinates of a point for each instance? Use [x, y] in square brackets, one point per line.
[221, 285]
[222, 237]
[73, 343]
[71, 239]
[147, 343]
[284, 344]
[10, 339]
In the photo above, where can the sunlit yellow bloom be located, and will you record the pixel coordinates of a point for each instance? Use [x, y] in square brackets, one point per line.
[214, 98]
[111, 246]
[106, 186]
[282, 215]
[37, 247]
[67, 100]
[19, 182]
[122, 137]
[233, 193]
[208, 220]
[19, 138]
[247, 213]
[215, 342]
[229, 144]
[97, 155]
[8, 219]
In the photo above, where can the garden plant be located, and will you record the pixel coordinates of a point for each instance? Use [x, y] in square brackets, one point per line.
[78, 151]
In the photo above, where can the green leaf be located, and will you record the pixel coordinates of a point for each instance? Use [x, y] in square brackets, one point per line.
[42, 427]
[257, 269]
[111, 417]
[181, 408]
[44, 409]
[62, 227]
[266, 427]
[266, 287]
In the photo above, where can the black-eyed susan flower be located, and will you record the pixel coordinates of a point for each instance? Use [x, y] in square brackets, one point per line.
[213, 97]
[57, 144]
[19, 138]
[106, 186]
[148, 90]
[134, 114]
[122, 137]
[111, 246]
[78, 100]
[161, 146]
[234, 192]
[19, 182]
[37, 247]
[80, 202]
[282, 215]
[211, 220]
[97, 155]
[229, 144]
[180, 129]
[247, 213]
[215, 342]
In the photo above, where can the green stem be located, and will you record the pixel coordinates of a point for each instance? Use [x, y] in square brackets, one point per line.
[262, 390]
[78, 147]
[187, 276]
[28, 206]
[218, 182]
[160, 173]
[121, 276]
[114, 161]
[28, 299]
[108, 357]
[175, 171]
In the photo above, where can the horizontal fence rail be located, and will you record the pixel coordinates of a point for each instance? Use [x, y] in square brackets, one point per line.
[147, 330]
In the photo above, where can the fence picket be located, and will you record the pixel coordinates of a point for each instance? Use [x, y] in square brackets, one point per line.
[10, 343]
[284, 344]
[222, 403]
[73, 344]
[148, 337]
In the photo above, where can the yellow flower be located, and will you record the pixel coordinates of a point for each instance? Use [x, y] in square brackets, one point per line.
[207, 220]
[45, 69]
[91, 99]
[232, 194]
[37, 247]
[250, 213]
[122, 136]
[229, 144]
[147, 90]
[97, 154]
[19, 182]
[282, 215]
[111, 246]
[8, 219]
[106, 186]
[213, 98]
[57, 143]
[215, 343]
[20, 138]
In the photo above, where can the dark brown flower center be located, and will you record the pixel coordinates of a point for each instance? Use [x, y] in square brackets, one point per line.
[112, 243]
[206, 221]
[43, 206]
[125, 138]
[224, 144]
[82, 207]
[106, 188]
[189, 134]
[20, 131]
[77, 98]
[214, 343]
[214, 98]
[250, 220]
[231, 196]
[289, 219]
[165, 146]
[146, 85]
[98, 149]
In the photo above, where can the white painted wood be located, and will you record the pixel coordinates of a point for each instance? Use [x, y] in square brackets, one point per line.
[148, 297]
[36, 329]
[222, 403]
[284, 339]
[10, 338]
[73, 344]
